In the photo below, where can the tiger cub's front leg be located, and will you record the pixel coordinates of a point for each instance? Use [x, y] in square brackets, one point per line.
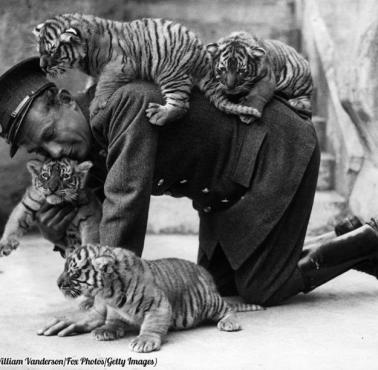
[155, 325]
[114, 75]
[261, 93]
[17, 225]
[176, 91]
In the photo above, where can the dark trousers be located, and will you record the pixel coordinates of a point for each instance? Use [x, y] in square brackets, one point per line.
[270, 275]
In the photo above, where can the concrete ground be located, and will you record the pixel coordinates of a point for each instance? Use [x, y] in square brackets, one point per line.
[335, 327]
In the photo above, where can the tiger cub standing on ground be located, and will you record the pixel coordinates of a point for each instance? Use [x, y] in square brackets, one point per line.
[116, 53]
[254, 69]
[55, 182]
[157, 295]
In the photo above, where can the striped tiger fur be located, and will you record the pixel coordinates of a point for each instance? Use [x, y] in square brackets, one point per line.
[116, 53]
[55, 182]
[244, 64]
[156, 295]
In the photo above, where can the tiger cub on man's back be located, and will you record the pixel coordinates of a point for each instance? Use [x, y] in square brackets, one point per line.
[253, 70]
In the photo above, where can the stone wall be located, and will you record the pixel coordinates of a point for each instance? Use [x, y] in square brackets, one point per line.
[210, 19]
[340, 38]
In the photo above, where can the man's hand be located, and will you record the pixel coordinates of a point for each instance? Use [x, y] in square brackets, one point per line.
[74, 324]
[53, 221]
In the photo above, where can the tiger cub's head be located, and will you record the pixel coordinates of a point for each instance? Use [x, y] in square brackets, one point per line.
[88, 270]
[237, 62]
[59, 180]
[60, 45]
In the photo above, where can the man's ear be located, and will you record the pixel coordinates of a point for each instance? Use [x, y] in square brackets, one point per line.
[104, 264]
[34, 167]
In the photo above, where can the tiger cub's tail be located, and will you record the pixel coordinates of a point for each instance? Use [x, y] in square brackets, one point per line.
[244, 307]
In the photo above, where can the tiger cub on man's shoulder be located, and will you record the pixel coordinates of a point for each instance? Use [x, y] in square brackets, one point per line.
[55, 182]
[253, 69]
[157, 295]
[116, 53]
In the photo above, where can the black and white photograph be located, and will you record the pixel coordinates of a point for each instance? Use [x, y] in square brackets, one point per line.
[189, 184]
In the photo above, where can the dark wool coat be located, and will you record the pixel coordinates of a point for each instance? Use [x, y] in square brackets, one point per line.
[241, 178]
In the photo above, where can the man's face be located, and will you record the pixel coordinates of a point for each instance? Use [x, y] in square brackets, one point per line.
[56, 130]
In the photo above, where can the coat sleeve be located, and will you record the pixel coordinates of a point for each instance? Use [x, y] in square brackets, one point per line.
[131, 150]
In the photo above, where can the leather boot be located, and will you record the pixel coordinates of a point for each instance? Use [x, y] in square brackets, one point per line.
[320, 264]
[347, 224]
[369, 266]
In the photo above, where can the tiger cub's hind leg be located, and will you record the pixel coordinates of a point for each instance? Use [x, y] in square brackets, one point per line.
[176, 93]
[229, 322]
[225, 312]
[115, 75]
[220, 311]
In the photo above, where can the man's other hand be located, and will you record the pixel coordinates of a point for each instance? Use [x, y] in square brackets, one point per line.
[53, 221]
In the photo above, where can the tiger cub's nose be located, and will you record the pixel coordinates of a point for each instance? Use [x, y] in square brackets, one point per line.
[230, 80]
[43, 62]
[61, 282]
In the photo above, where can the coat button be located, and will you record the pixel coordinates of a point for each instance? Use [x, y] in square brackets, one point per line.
[205, 190]
[207, 209]
[160, 182]
[183, 181]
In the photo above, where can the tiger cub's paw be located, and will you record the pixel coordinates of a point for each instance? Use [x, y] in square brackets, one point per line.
[86, 304]
[7, 246]
[105, 333]
[229, 323]
[146, 343]
[159, 115]
[247, 119]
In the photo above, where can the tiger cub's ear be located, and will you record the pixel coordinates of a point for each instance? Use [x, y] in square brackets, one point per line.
[104, 264]
[71, 35]
[212, 48]
[84, 167]
[258, 52]
[37, 30]
[34, 167]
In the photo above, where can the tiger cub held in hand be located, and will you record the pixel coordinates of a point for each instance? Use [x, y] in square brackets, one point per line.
[55, 182]
[117, 53]
[157, 295]
[252, 70]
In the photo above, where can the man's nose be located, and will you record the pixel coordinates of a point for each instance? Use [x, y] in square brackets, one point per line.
[54, 150]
